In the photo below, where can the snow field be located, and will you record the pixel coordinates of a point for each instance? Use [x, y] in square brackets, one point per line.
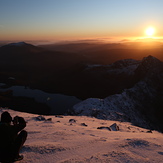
[79, 141]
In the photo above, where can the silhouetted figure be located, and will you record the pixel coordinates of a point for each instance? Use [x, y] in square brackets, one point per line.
[11, 141]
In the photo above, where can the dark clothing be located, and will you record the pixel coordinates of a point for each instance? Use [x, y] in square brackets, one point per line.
[10, 141]
[10, 154]
[20, 139]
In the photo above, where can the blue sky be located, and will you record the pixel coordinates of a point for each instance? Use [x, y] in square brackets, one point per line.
[75, 19]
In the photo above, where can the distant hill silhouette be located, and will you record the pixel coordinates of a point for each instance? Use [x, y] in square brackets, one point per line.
[106, 53]
[66, 68]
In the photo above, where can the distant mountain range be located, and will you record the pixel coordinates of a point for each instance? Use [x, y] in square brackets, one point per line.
[72, 73]
[114, 84]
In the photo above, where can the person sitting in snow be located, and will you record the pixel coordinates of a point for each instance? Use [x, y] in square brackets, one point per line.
[12, 137]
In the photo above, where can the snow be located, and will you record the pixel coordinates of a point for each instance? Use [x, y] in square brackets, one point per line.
[76, 139]
[17, 44]
[115, 107]
[125, 66]
[126, 106]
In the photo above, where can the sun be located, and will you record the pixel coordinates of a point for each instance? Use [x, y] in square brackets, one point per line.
[150, 31]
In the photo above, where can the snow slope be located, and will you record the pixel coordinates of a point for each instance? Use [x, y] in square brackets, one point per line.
[76, 139]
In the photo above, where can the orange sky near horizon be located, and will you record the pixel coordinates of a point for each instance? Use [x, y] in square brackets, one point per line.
[79, 20]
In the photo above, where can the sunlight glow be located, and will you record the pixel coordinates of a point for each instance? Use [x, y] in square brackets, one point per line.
[150, 31]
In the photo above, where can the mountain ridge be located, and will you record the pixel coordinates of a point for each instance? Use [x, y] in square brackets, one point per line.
[141, 104]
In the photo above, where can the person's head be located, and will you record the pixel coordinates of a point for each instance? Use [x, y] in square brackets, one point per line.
[6, 117]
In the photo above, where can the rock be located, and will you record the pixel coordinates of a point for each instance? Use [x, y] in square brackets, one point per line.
[83, 124]
[40, 118]
[150, 131]
[103, 127]
[72, 121]
[114, 127]
[59, 116]
[49, 119]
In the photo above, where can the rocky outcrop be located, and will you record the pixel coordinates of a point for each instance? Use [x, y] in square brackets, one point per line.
[141, 105]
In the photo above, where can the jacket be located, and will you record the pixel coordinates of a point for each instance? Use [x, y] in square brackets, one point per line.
[8, 133]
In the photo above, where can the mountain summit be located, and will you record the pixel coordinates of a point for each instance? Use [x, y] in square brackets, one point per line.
[17, 44]
[148, 66]
[19, 47]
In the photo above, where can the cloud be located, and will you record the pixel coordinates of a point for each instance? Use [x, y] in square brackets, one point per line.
[125, 40]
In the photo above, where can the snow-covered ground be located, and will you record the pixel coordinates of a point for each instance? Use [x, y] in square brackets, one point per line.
[76, 139]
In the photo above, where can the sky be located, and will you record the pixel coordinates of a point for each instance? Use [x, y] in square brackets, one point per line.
[78, 19]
